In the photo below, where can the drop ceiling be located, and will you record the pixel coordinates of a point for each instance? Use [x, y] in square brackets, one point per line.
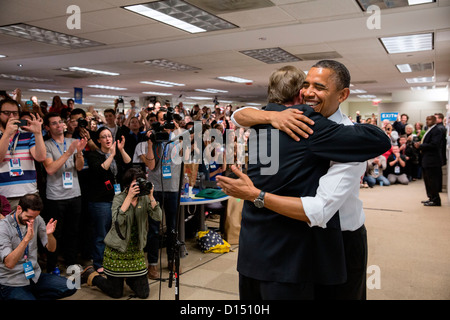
[307, 29]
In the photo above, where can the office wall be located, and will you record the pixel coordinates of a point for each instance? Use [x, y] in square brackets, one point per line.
[416, 110]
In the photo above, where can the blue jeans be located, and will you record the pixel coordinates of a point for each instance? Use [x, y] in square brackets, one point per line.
[101, 216]
[170, 211]
[48, 287]
[371, 181]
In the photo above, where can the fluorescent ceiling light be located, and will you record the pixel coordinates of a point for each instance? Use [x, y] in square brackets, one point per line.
[23, 78]
[414, 2]
[253, 104]
[420, 80]
[48, 91]
[355, 91]
[33, 33]
[389, 4]
[411, 43]
[103, 96]
[2, 56]
[181, 15]
[367, 96]
[157, 93]
[271, 55]
[405, 68]
[235, 79]
[90, 71]
[199, 98]
[99, 86]
[163, 83]
[422, 88]
[211, 90]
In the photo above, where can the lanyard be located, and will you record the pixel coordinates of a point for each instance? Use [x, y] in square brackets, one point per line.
[56, 144]
[12, 149]
[21, 237]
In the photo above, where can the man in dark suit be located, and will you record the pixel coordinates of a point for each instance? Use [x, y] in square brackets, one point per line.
[440, 125]
[279, 257]
[430, 148]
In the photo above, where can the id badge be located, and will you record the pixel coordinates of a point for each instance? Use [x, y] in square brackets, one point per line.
[397, 170]
[15, 168]
[117, 188]
[167, 172]
[67, 180]
[28, 269]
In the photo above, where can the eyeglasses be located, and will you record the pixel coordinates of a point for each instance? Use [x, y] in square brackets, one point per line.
[8, 113]
[55, 123]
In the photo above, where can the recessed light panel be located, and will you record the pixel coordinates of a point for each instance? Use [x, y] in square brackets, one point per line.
[405, 68]
[157, 93]
[23, 78]
[29, 32]
[271, 55]
[98, 86]
[234, 79]
[163, 83]
[389, 4]
[181, 15]
[420, 80]
[411, 43]
[49, 91]
[90, 71]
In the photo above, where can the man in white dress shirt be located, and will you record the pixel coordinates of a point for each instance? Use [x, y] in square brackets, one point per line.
[338, 189]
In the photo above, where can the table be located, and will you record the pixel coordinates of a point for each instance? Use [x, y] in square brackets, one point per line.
[181, 223]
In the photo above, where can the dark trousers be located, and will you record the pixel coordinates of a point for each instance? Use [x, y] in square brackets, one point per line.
[252, 289]
[67, 212]
[355, 246]
[48, 287]
[432, 176]
[170, 200]
[113, 286]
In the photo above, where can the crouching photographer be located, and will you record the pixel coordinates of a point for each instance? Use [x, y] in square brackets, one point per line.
[124, 253]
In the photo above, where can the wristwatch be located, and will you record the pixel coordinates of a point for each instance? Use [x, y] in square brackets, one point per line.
[259, 202]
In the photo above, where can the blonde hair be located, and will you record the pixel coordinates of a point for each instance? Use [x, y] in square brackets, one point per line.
[285, 84]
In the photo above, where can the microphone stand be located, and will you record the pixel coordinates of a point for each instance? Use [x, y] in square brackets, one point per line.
[176, 243]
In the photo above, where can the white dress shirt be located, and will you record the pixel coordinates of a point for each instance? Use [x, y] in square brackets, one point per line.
[338, 190]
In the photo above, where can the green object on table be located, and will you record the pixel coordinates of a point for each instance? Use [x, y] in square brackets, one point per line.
[211, 194]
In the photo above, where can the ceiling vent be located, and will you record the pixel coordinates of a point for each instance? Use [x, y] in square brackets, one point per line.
[363, 82]
[317, 56]
[228, 6]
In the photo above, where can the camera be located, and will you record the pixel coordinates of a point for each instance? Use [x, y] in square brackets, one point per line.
[82, 123]
[160, 135]
[144, 187]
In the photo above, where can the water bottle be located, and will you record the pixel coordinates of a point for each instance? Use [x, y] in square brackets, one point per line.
[185, 191]
[56, 271]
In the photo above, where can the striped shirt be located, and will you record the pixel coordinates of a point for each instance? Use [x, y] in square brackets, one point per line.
[25, 181]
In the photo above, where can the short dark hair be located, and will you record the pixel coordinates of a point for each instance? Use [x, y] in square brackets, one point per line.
[50, 115]
[10, 101]
[78, 111]
[110, 111]
[130, 175]
[342, 75]
[31, 201]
